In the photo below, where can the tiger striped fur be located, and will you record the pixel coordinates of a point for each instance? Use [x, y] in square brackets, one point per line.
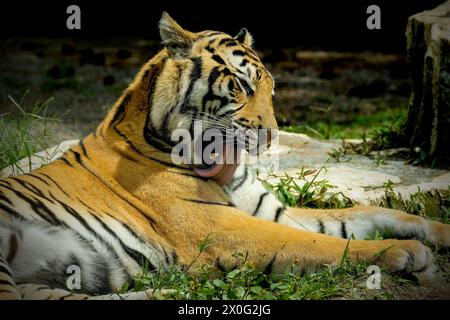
[116, 202]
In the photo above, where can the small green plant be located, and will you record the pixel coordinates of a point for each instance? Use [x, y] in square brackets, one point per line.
[432, 204]
[299, 191]
[340, 154]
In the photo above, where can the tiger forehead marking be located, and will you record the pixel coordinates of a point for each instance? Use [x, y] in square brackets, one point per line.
[239, 56]
[241, 59]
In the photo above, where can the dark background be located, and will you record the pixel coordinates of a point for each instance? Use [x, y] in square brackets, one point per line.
[317, 24]
[335, 78]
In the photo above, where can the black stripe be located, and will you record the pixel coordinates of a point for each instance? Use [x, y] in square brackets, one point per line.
[12, 212]
[83, 149]
[6, 283]
[278, 213]
[85, 204]
[5, 271]
[138, 237]
[44, 287]
[77, 156]
[212, 33]
[54, 182]
[321, 226]
[196, 74]
[220, 266]
[6, 290]
[230, 111]
[244, 62]
[240, 180]
[207, 202]
[174, 257]
[190, 175]
[134, 148]
[151, 134]
[119, 115]
[269, 268]
[218, 59]
[261, 198]
[110, 248]
[37, 206]
[63, 159]
[214, 74]
[65, 296]
[239, 53]
[71, 211]
[250, 53]
[343, 230]
[137, 256]
[31, 188]
[5, 182]
[227, 42]
[4, 198]
[248, 89]
[38, 178]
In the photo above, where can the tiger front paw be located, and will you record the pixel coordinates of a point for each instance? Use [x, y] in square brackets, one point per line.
[408, 256]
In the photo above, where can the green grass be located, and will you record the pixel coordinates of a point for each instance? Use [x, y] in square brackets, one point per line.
[24, 132]
[354, 129]
[388, 114]
[246, 282]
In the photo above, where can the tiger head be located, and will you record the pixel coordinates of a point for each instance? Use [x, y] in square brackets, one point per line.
[207, 76]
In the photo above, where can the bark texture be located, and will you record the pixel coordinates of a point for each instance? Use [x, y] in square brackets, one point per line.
[428, 49]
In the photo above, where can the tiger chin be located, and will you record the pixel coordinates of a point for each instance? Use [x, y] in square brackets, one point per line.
[117, 201]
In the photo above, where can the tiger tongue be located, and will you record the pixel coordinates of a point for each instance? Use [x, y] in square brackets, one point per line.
[221, 171]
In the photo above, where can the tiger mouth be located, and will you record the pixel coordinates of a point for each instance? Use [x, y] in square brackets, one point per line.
[223, 167]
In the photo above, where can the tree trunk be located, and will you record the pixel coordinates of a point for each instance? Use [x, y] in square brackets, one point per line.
[428, 49]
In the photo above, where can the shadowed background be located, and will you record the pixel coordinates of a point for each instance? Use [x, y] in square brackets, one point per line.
[335, 78]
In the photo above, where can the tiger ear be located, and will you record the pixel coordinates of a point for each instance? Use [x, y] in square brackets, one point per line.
[177, 40]
[244, 37]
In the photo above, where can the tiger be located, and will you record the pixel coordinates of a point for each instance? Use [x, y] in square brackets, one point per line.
[117, 201]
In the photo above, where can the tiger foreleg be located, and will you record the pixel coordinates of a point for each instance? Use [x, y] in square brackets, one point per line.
[275, 248]
[362, 222]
